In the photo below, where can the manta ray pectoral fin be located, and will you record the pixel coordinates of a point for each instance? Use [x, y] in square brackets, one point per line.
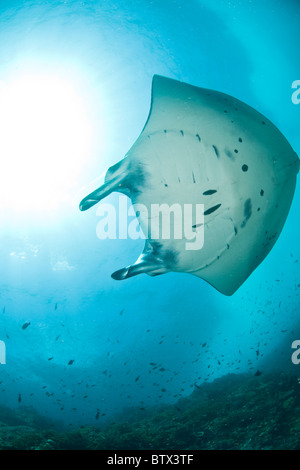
[244, 175]
[145, 264]
[114, 181]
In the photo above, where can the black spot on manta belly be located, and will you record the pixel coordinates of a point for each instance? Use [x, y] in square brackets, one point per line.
[247, 212]
[197, 225]
[209, 192]
[136, 179]
[229, 154]
[216, 151]
[168, 257]
[212, 209]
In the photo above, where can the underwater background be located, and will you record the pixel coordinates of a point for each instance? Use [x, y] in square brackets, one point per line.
[80, 353]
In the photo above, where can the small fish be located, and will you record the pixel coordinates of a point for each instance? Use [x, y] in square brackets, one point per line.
[257, 373]
[122, 311]
[71, 362]
[26, 325]
[19, 398]
[55, 306]
[97, 414]
[50, 358]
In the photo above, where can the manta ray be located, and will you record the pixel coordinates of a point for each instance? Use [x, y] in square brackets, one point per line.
[204, 148]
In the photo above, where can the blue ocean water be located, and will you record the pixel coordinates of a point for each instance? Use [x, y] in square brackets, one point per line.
[80, 347]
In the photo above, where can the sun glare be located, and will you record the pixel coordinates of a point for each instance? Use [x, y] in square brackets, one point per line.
[45, 137]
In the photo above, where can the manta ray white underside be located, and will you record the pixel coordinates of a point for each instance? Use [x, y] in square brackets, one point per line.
[205, 147]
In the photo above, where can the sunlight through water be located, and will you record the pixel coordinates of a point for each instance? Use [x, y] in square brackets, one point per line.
[45, 139]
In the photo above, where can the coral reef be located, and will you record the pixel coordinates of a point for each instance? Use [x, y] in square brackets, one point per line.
[260, 411]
